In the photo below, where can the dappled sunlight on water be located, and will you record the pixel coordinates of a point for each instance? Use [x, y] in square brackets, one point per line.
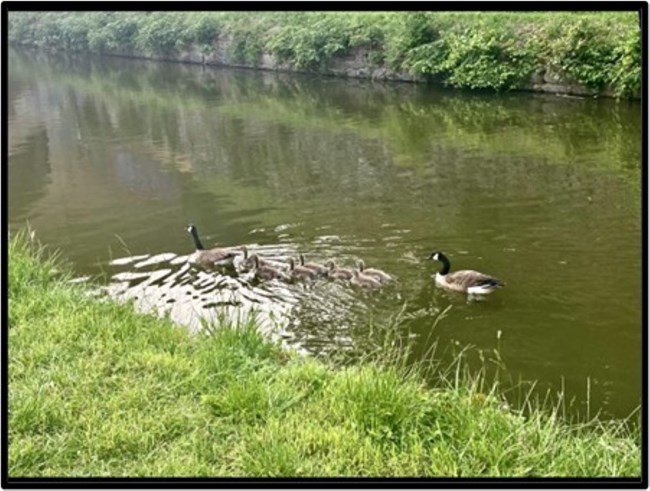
[314, 316]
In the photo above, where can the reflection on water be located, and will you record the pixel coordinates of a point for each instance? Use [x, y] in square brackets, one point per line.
[109, 160]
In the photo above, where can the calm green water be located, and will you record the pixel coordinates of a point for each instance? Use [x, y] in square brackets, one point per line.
[109, 159]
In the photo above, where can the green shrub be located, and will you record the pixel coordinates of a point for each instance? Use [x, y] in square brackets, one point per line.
[626, 74]
[163, 33]
[204, 30]
[310, 45]
[586, 53]
[113, 34]
[482, 58]
[407, 33]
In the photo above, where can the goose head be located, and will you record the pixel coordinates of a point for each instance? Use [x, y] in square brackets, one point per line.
[256, 260]
[437, 256]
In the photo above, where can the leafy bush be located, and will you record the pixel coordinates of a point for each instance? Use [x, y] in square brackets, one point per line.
[586, 53]
[477, 58]
[626, 73]
[408, 33]
[75, 33]
[165, 32]
[202, 29]
[309, 45]
[116, 33]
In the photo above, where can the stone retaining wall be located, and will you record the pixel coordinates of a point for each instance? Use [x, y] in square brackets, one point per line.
[355, 64]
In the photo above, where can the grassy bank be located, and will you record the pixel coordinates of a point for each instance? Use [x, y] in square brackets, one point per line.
[462, 49]
[96, 389]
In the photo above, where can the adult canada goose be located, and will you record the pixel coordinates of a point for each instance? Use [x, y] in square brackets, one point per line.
[319, 268]
[209, 257]
[337, 273]
[266, 272]
[300, 272]
[364, 280]
[378, 274]
[465, 280]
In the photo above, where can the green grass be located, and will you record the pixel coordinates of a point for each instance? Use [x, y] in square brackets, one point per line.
[476, 50]
[96, 389]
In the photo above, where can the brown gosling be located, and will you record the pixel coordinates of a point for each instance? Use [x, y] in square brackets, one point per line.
[248, 262]
[265, 272]
[378, 274]
[300, 272]
[336, 273]
[364, 280]
[319, 268]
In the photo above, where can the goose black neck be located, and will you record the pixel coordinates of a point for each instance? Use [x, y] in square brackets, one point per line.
[197, 241]
[446, 266]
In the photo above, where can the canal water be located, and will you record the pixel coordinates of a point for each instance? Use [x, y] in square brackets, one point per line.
[110, 159]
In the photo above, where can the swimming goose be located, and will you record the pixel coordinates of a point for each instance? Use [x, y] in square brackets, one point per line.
[319, 268]
[378, 274]
[337, 273]
[364, 280]
[465, 280]
[266, 272]
[209, 257]
[300, 272]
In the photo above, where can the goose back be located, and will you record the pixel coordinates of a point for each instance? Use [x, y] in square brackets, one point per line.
[209, 257]
[469, 281]
[465, 280]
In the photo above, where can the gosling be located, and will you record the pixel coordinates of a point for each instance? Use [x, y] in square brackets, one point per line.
[299, 272]
[377, 274]
[336, 273]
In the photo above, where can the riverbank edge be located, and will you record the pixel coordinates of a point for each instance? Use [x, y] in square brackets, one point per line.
[354, 64]
[587, 54]
[97, 389]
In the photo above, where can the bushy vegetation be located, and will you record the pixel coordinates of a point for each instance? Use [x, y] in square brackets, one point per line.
[96, 389]
[467, 50]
